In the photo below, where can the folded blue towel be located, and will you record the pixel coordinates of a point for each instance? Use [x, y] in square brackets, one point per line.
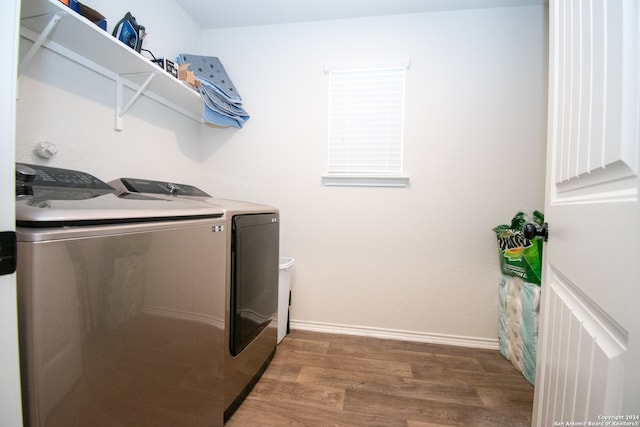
[222, 102]
[218, 119]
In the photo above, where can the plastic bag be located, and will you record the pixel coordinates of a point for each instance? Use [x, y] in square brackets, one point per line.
[520, 257]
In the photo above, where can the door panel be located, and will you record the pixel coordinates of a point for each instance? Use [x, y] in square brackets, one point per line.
[10, 404]
[584, 378]
[589, 323]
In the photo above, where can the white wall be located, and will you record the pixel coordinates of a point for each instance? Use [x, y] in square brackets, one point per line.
[63, 102]
[420, 260]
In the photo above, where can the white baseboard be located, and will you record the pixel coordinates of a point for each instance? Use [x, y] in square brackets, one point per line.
[486, 343]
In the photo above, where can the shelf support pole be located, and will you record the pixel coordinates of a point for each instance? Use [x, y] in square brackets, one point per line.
[121, 111]
[39, 41]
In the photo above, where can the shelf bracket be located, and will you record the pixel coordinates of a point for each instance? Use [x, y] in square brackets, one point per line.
[39, 41]
[120, 110]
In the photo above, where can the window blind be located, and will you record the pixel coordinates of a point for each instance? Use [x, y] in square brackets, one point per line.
[366, 120]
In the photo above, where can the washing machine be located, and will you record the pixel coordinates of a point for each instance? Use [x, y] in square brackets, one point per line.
[121, 302]
[251, 281]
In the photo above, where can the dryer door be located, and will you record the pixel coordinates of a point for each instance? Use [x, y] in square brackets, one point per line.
[254, 277]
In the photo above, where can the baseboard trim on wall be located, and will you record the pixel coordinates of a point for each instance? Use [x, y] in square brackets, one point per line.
[486, 343]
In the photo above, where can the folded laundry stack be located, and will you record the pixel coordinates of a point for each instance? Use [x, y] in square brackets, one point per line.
[519, 308]
[222, 102]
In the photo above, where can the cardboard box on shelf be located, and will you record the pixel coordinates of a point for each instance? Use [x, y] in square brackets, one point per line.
[185, 74]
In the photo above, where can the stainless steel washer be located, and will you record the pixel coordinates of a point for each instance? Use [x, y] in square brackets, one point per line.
[251, 282]
[121, 304]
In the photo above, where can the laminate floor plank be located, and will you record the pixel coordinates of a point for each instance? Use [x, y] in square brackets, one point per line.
[347, 363]
[282, 372]
[391, 385]
[318, 379]
[311, 394]
[478, 378]
[435, 359]
[286, 414]
[310, 345]
[394, 407]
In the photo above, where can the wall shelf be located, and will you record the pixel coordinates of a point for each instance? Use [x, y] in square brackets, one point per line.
[50, 24]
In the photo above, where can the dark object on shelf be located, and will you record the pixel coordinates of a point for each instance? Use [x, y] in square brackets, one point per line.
[89, 13]
[93, 16]
[72, 4]
[129, 32]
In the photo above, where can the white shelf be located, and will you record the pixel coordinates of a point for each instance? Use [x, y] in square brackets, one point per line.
[78, 39]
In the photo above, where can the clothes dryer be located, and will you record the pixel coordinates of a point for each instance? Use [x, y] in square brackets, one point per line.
[251, 282]
[121, 301]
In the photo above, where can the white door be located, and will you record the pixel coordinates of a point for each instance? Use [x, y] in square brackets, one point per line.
[589, 346]
[10, 409]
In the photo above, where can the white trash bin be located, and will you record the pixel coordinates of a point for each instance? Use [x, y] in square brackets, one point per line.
[284, 289]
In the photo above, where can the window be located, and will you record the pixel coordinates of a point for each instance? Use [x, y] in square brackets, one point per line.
[366, 121]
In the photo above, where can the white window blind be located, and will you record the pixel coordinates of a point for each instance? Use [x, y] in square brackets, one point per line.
[366, 120]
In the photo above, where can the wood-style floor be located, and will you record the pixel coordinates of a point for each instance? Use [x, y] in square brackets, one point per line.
[319, 379]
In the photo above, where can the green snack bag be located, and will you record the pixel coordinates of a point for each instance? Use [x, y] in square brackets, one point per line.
[519, 256]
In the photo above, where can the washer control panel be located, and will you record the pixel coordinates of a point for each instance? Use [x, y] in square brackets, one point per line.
[136, 185]
[46, 176]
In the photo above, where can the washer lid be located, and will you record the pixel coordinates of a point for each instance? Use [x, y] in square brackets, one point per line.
[56, 197]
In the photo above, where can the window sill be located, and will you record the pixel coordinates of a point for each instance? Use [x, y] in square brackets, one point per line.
[365, 181]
